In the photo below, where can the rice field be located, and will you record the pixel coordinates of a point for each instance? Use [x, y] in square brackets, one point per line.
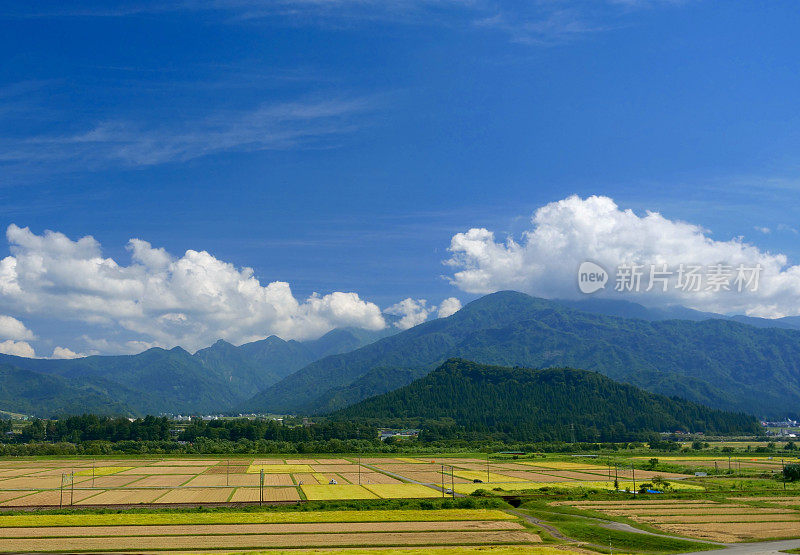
[736, 520]
[162, 532]
[157, 532]
[143, 481]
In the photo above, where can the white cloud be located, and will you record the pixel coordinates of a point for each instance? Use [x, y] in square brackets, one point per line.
[160, 299]
[565, 233]
[63, 352]
[448, 307]
[300, 124]
[17, 348]
[416, 311]
[11, 328]
[413, 312]
[764, 230]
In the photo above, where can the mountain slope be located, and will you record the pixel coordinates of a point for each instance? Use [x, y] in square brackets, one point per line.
[29, 392]
[543, 405]
[721, 363]
[215, 379]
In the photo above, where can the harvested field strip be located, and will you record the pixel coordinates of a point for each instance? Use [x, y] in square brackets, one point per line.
[124, 497]
[133, 519]
[147, 470]
[217, 480]
[335, 468]
[109, 481]
[278, 468]
[564, 465]
[714, 511]
[339, 491]
[189, 462]
[217, 529]
[162, 481]
[300, 461]
[734, 532]
[306, 478]
[8, 495]
[767, 499]
[481, 475]
[758, 517]
[50, 498]
[628, 507]
[251, 495]
[370, 478]
[333, 461]
[270, 540]
[225, 469]
[532, 476]
[199, 495]
[642, 502]
[402, 491]
[432, 477]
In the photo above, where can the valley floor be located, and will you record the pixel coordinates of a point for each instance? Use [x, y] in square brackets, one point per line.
[397, 504]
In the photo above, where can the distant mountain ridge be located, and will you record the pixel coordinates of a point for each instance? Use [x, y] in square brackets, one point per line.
[552, 404]
[215, 379]
[717, 362]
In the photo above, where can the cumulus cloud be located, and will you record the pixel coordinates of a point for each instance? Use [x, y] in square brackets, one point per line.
[448, 307]
[544, 261]
[63, 352]
[412, 311]
[11, 328]
[161, 299]
[416, 311]
[17, 348]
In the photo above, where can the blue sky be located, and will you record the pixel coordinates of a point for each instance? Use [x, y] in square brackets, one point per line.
[340, 145]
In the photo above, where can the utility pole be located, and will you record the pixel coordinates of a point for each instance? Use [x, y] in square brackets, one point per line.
[71, 487]
[452, 482]
[359, 469]
[442, 480]
[61, 494]
[261, 489]
[227, 472]
[783, 473]
[633, 473]
[487, 467]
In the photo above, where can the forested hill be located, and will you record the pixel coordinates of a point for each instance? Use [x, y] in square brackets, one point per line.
[214, 379]
[715, 362]
[542, 405]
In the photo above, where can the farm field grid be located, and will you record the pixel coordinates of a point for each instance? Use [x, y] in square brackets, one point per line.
[696, 513]
[54, 483]
[261, 530]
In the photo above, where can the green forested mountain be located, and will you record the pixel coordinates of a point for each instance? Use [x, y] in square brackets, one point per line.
[28, 392]
[215, 379]
[542, 405]
[717, 362]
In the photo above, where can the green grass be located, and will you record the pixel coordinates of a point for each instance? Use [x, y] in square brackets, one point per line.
[590, 531]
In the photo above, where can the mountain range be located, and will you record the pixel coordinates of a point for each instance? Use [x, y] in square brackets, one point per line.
[717, 362]
[214, 379]
[730, 363]
[554, 404]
